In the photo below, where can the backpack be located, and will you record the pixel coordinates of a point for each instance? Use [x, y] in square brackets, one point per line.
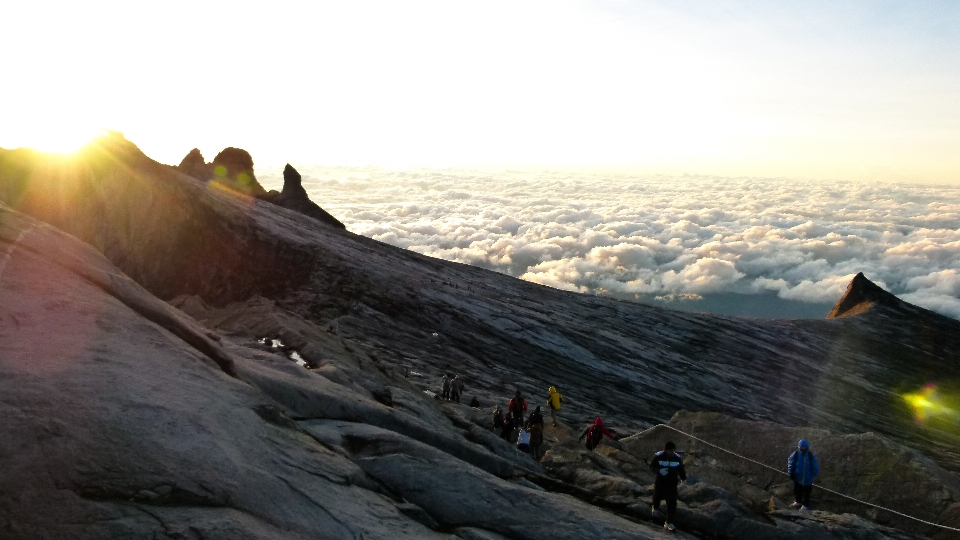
[593, 437]
[524, 437]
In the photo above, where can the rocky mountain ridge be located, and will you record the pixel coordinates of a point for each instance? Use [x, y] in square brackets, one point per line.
[377, 326]
[233, 169]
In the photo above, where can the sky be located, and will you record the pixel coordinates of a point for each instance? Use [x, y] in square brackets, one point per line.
[834, 91]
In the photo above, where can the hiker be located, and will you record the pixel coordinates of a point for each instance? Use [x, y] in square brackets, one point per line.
[475, 403]
[668, 466]
[445, 387]
[506, 429]
[803, 467]
[554, 399]
[497, 418]
[456, 388]
[594, 434]
[516, 407]
[535, 426]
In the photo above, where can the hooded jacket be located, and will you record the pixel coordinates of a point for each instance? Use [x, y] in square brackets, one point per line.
[555, 398]
[596, 430]
[803, 467]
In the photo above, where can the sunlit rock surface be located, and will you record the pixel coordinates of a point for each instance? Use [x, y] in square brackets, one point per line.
[375, 326]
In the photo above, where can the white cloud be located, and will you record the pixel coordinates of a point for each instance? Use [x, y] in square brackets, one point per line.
[672, 237]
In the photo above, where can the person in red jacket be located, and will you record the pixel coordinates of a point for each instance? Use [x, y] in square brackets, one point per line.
[594, 433]
[517, 407]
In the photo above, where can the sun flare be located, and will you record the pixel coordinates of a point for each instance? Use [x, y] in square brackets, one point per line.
[61, 139]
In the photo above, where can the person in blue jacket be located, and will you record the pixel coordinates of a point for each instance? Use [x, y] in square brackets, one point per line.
[668, 466]
[803, 467]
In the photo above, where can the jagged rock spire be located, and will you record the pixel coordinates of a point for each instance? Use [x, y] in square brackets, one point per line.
[194, 165]
[292, 181]
[860, 296]
[295, 197]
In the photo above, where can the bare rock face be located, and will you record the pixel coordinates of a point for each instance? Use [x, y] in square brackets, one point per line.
[295, 198]
[128, 419]
[171, 235]
[233, 167]
[860, 296]
[194, 165]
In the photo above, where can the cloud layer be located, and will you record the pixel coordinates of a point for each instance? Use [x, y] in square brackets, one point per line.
[672, 237]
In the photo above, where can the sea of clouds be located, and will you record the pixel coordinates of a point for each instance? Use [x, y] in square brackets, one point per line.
[662, 238]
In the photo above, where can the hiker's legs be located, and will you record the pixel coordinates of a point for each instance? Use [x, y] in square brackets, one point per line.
[805, 495]
[535, 451]
[553, 415]
[456, 396]
[671, 497]
[798, 492]
[657, 495]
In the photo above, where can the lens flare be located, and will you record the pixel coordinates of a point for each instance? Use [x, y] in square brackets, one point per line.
[927, 404]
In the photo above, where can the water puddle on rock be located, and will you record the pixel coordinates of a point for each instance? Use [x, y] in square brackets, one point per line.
[295, 356]
[270, 342]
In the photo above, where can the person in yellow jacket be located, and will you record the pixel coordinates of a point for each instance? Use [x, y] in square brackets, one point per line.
[554, 400]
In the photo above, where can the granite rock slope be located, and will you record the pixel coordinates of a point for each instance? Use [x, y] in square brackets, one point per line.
[379, 325]
[633, 363]
[128, 419]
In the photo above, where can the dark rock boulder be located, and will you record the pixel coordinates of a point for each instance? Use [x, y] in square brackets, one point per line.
[233, 167]
[295, 198]
[194, 165]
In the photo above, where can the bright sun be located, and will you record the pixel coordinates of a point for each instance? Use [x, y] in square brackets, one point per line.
[61, 139]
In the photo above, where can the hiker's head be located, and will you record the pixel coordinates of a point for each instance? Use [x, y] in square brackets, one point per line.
[598, 421]
[552, 389]
[669, 448]
[537, 409]
[518, 393]
[803, 445]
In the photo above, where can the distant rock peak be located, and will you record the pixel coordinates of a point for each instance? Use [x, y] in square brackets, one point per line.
[233, 168]
[294, 197]
[292, 182]
[860, 296]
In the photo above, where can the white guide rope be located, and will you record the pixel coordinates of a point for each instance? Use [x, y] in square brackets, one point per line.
[6, 256]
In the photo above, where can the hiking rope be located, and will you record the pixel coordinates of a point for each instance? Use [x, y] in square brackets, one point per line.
[764, 465]
[6, 256]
